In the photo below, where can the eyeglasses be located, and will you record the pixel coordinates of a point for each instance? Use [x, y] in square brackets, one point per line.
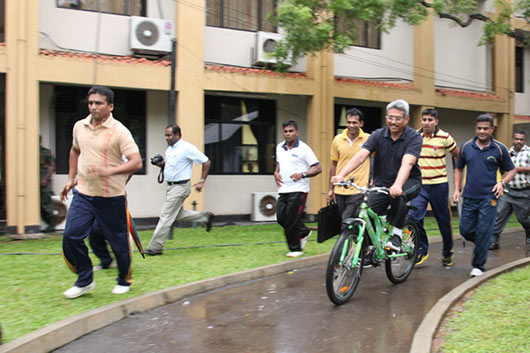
[287, 131]
[396, 118]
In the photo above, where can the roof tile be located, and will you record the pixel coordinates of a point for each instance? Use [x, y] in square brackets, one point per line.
[128, 59]
[253, 71]
[467, 94]
[383, 84]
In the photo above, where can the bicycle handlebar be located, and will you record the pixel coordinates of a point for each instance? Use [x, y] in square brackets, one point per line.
[346, 183]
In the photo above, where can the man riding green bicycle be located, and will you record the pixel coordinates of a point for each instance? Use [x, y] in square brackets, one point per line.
[397, 148]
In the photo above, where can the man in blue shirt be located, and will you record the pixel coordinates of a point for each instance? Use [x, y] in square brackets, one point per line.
[178, 163]
[483, 156]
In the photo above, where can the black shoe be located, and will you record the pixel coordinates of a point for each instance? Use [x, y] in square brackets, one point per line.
[367, 261]
[152, 253]
[448, 261]
[494, 246]
[394, 243]
[209, 221]
[421, 258]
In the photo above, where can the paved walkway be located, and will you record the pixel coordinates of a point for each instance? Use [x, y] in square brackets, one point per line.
[290, 312]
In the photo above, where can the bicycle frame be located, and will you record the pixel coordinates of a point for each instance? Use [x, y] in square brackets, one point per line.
[378, 235]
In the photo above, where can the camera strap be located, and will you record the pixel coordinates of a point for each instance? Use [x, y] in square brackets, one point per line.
[161, 176]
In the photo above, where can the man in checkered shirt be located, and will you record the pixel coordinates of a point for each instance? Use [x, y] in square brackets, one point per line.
[517, 195]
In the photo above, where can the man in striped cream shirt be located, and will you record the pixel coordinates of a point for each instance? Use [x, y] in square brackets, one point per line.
[435, 187]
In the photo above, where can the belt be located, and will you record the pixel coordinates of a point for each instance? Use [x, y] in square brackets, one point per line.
[178, 182]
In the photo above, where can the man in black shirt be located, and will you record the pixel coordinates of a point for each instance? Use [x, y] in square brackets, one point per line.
[397, 148]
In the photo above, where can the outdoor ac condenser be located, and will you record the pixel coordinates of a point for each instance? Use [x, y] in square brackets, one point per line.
[151, 35]
[265, 45]
[264, 206]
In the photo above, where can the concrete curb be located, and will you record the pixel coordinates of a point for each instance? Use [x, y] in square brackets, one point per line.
[67, 330]
[424, 335]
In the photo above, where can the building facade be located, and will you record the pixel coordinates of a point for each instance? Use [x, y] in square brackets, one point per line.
[226, 103]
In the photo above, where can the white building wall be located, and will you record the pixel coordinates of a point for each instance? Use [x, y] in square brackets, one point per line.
[459, 61]
[522, 100]
[393, 61]
[145, 195]
[225, 46]
[70, 29]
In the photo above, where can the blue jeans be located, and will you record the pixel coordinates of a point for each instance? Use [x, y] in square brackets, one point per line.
[476, 225]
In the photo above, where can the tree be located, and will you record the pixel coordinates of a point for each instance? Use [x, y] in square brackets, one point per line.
[311, 26]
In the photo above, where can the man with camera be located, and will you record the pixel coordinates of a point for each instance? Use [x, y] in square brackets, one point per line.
[177, 167]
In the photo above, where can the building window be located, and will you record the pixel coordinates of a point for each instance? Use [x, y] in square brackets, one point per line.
[121, 7]
[366, 33]
[519, 71]
[248, 15]
[70, 105]
[2, 21]
[239, 135]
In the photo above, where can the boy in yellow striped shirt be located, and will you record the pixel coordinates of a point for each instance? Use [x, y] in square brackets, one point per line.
[435, 187]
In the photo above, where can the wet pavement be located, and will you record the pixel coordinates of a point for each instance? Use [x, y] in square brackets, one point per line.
[291, 313]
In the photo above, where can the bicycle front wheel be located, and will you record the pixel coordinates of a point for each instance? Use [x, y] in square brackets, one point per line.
[345, 266]
[398, 268]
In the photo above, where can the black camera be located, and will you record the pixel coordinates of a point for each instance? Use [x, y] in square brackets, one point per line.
[157, 159]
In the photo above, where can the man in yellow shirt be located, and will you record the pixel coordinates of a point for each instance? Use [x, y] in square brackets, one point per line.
[343, 148]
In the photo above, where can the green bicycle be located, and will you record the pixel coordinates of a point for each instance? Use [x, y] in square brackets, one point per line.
[345, 264]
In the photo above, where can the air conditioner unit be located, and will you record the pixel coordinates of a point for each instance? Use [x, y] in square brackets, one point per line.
[265, 46]
[151, 35]
[264, 206]
[60, 210]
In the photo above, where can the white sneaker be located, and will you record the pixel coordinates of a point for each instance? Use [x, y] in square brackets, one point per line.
[76, 291]
[121, 289]
[99, 267]
[303, 241]
[294, 253]
[475, 272]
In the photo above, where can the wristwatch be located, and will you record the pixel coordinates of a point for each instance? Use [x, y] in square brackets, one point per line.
[503, 183]
[304, 175]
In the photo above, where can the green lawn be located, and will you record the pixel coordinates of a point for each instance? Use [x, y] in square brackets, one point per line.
[31, 286]
[33, 281]
[495, 319]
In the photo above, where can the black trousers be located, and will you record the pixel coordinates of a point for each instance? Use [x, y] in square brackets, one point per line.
[398, 205]
[348, 206]
[289, 214]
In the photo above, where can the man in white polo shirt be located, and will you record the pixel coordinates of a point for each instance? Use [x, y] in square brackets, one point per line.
[295, 164]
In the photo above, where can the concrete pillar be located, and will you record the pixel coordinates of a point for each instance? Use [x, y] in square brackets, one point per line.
[424, 62]
[504, 85]
[190, 25]
[320, 124]
[22, 118]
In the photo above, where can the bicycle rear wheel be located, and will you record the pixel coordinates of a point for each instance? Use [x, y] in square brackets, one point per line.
[399, 268]
[343, 273]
